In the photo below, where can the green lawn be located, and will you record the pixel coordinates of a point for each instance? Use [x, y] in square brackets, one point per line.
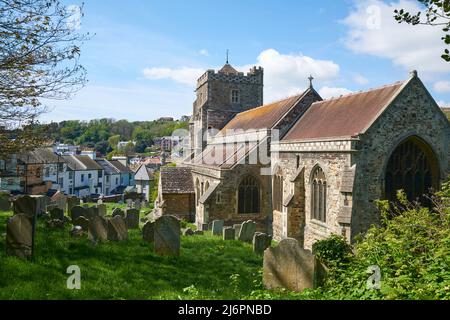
[208, 268]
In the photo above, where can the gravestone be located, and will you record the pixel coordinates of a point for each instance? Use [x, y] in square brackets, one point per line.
[92, 212]
[132, 219]
[60, 200]
[5, 204]
[117, 229]
[118, 212]
[188, 232]
[217, 227]
[228, 233]
[167, 236]
[26, 205]
[99, 201]
[261, 241]
[77, 212]
[148, 232]
[237, 230]
[137, 204]
[72, 201]
[41, 203]
[129, 203]
[290, 266]
[50, 207]
[19, 236]
[101, 210]
[82, 222]
[55, 224]
[204, 227]
[57, 213]
[247, 231]
[98, 229]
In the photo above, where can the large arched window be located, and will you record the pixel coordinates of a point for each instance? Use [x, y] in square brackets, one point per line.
[248, 196]
[318, 195]
[278, 192]
[413, 168]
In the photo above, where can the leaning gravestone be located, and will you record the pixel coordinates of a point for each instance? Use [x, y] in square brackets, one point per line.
[237, 230]
[118, 212]
[26, 205]
[77, 212]
[72, 202]
[167, 236]
[117, 229]
[247, 231]
[98, 229]
[60, 200]
[148, 232]
[19, 236]
[217, 227]
[5, 204]
[132, 219]
[101, 210]
[228, 233]
[290, 266]
[82, 222]
[57, 213]
[261, 241]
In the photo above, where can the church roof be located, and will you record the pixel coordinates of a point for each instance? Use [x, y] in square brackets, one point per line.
[227, 68]
[176, 180]
[264, 117]
[346, 116]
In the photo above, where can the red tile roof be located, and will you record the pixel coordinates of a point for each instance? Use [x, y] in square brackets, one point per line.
[345, 116]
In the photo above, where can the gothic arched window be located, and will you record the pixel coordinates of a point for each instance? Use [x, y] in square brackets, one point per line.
[318, 195]
[278, 192]
[248, 196]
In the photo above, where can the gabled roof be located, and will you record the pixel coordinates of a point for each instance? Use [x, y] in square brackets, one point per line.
[143, 174]
[346, 116]
[176, 180]
[79, 163]
[119, 166]
[108, 167]
[40, 156]
[264, 117]
[227, 68]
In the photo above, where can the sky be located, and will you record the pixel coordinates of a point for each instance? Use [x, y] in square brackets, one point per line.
[145, 55]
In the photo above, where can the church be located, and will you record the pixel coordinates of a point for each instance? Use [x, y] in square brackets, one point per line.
[304, 167]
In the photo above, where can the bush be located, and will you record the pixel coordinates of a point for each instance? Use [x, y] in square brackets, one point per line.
[333, 251]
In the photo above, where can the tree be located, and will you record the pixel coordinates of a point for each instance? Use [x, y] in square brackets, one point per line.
[114, 141]
[437, 13]
[39, 58]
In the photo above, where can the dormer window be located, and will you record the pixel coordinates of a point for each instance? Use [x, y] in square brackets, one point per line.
[235, 98]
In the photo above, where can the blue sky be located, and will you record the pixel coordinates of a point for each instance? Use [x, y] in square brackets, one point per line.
[145, 56]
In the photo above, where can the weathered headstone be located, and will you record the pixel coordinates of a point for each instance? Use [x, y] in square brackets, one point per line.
[101, 210]
[98, 229]
[77, 212]
[129, 203]
[137, 204]
[204, 227]
[148, 232]
[72, 201]
[26, 205]
[92, 212]
[217, 226]
[188, 232]
[228, 233]
[19, 236]
[132, 218]
[5, 204]
[60, 200]
[82, 222]
[117, 229]
[118, 212]
[167, 236]
[289, 266]
[55, 224]
[57, 213]
[261, 241]
[237, 230]
[41, 203]
[247, 231]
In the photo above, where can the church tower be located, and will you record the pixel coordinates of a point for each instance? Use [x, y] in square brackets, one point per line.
[220, 96]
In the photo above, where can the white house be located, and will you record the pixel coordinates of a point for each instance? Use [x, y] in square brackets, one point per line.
[143, 179]
[85, 176]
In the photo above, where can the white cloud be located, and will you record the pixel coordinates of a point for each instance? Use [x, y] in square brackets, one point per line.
[184, 75]
[442, 86]
[443, 104]
[203, 52]
[360, 79]
[373, 30]
[330, 92]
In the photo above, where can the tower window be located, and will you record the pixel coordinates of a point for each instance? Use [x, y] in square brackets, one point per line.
[235, 96]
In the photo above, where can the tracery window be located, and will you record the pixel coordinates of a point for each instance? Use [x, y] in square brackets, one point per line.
[248, 196]
[318, 195]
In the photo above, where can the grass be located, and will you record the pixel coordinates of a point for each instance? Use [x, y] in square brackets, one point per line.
[208, 268]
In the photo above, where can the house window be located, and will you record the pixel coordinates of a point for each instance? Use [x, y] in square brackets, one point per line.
[235, 96]
[318, 195]
[117, 180]
[107, 178]
[47, 172]
[100, 174]
[278, 192]
[219, 197]
[248, 196]
[89, 176]
[82, 178]
[61, 182]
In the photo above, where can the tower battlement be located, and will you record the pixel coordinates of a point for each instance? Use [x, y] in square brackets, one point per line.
[254, 76]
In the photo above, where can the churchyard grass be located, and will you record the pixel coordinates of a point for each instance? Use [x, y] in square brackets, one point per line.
[208, 268]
